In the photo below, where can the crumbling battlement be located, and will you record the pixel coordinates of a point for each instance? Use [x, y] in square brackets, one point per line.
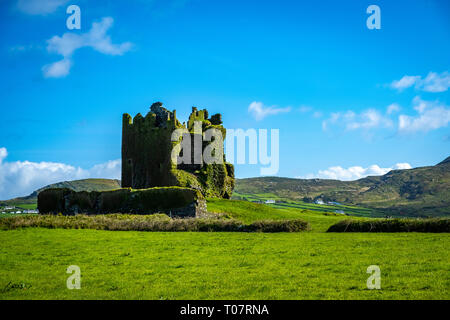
[147, 149]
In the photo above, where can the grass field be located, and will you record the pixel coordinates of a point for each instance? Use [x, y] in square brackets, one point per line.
[222, 265]
[141, 265]
[287, 203]
[28, 206]
[6, 215]
[249, 212]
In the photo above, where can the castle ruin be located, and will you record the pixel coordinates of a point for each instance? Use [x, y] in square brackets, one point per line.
[147, 153]
[151, 180]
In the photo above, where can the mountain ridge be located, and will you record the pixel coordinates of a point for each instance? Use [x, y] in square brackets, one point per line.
[422, 191]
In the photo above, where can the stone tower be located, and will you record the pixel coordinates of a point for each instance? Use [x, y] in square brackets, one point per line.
[147, 149]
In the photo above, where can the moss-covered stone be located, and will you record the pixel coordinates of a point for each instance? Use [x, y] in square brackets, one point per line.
[147, 148]
[53, 200]
[176, 201]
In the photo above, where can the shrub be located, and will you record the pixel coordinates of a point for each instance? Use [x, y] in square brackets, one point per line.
[163, 198]
[392, 225]
[296, 225]
[156, 222]
[113, 201]
[52, 200]
[142, 201]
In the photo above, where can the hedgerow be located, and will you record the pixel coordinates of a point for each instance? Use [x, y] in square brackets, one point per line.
[154, 222]
[392, 225]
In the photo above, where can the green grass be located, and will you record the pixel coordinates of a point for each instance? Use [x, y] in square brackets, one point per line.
[288, 203]
[249, 212]
[7, 215]
[21, 206]
[143, 265]
[27, 206]
[351, 210]
[224, 265]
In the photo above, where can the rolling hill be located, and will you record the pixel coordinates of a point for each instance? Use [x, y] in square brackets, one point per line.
[420, 192]
[77, 185]
[423, 191]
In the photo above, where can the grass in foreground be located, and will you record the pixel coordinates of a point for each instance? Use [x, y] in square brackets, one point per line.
[193, 265]
[142, 265]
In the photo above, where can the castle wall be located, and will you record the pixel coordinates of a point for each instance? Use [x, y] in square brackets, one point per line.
[146, 150]
[175, 201]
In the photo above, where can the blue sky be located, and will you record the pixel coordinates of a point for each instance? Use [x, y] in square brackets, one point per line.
[348, 101]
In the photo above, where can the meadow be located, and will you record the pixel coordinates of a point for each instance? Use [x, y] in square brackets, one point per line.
[249, 212]
[281, 202]
[225, 265]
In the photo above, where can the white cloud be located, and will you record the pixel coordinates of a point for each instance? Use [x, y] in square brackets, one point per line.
[392, 108]
[310, 110]
[317, 114]
[334, 117]
[3, 154]
[20, 178]
[108, 170]
[39, 7]
[304, 109]
[433, 82]
[405, 82]
[402, 166]
[356, 172]
[431, 115]
[259, 111]
[57, 69]
[368, 119]
[96, 38]
[20, 48]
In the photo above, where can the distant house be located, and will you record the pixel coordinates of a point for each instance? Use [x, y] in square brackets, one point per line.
[270, 201]
[319, 201]
[334, 203]
[30, 211]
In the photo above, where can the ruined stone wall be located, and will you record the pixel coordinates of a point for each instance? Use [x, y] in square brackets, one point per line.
[174, 201]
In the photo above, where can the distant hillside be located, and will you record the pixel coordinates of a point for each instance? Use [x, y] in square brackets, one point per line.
[421, 191]
[77, 185]
[418, 192]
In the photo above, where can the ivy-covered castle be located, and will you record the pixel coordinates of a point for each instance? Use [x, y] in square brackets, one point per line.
[147, 153]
